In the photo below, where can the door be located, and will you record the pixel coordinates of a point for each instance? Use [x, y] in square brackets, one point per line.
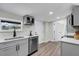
[9, 51]
[59, 29]
[23, 48]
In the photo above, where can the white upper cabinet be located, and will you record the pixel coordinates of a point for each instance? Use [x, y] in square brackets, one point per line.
[75, 12]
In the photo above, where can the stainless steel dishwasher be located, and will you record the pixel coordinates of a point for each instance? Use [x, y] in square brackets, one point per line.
[32, 45]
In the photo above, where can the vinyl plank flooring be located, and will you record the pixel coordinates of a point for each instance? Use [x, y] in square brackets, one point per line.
[48, 49]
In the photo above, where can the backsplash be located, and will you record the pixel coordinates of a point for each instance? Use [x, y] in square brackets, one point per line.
[5, 35]
[24, 32]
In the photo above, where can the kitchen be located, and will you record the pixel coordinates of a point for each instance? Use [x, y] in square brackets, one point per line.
[28, 29]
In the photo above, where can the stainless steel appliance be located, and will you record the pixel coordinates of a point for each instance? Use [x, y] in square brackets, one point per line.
[28, 20]
[32, 45]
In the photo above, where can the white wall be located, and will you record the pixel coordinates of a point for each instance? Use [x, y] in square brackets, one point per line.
[37, 27]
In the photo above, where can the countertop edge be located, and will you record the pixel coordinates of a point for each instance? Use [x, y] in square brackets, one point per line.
[4, 41]
[76, 42]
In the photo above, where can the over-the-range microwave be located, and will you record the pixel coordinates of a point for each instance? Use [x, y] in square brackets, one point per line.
[28, 20]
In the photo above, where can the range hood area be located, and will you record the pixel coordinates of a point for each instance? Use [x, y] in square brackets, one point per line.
[28, 20]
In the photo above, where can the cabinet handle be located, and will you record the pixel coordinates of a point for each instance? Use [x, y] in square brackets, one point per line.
[16, 47]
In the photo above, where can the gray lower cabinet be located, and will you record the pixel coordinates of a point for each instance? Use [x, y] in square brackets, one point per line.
[8, 51]
[23, 49]
[69, 49]
[11, 51]
[20, 48]
[2, 53]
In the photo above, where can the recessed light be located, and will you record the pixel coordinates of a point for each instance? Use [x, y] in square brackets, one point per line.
[58, 17]
[50, 12]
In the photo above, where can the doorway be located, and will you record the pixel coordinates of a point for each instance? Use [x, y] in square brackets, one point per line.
[59, 29]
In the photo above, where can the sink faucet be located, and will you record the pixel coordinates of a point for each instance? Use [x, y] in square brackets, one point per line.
[14, 32]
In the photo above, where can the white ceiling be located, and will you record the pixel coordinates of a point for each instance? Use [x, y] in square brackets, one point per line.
[38, 10]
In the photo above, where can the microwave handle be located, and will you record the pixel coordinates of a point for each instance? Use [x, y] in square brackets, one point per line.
[69, 21]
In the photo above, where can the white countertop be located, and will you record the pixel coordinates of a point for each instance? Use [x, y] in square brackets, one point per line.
[26, 37]
[70, 40]
[65, 39]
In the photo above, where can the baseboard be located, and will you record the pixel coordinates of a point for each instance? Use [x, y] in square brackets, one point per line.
[44, 42]
[48, 41]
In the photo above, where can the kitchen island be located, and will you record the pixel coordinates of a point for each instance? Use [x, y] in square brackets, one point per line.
[69, 47]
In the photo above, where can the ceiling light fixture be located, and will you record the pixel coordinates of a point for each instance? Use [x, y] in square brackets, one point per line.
[50, 12]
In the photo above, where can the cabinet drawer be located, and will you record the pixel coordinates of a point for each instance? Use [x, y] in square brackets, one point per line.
[2, 46]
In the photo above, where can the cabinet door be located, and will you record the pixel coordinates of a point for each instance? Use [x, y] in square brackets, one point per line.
[9, 51]
[68, 49]
[2, 53]
[23, 49]
[76, 16]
